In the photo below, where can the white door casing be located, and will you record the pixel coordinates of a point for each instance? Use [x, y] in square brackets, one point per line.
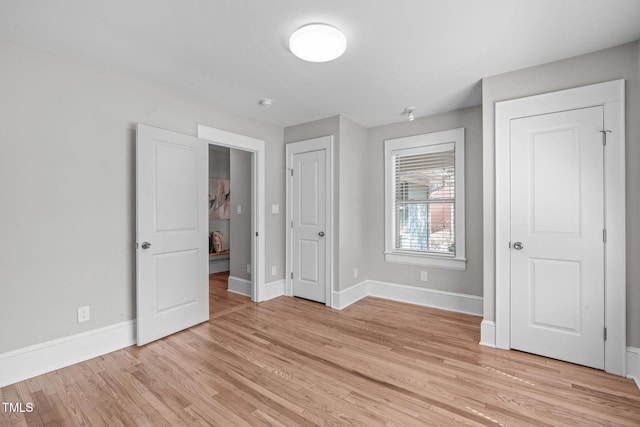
[557, 245]
[171, 230]
[309, 233]
[258, 205]
[610, 96]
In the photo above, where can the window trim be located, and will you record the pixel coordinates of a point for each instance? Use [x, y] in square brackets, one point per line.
[392, 255]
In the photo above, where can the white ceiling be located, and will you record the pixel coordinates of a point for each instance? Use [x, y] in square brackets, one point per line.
[428, 54]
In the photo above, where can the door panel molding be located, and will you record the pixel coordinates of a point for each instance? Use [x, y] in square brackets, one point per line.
[610, 95]
[315, 144]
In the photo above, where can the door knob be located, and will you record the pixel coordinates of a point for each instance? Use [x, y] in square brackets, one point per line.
[518, 246]
[321, 234]
[146, 245]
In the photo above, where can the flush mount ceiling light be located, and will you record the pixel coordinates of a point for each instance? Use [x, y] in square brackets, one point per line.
[318, 43]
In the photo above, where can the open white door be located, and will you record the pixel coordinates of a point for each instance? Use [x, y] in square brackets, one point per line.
[171, 232]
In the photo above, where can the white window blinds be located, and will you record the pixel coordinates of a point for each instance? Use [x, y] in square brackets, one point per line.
[424, 199]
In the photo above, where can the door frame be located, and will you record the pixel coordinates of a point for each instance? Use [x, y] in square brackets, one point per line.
[610, 95]
[258, 249]
[314, 144]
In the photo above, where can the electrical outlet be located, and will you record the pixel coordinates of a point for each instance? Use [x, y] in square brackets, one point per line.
[84, 314]
[355, 273]
[273, 270]
[249, 268]
[239, 209]
[275, 209]
[423, 276]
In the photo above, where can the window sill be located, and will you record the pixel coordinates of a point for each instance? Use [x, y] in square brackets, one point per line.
[427, 261]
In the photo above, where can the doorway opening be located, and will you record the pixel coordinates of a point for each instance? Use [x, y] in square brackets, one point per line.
[230, 210]
[248, 154]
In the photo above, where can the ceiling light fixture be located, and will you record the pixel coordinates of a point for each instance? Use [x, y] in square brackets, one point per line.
[266, 102]
[318, 43]
[409, 113]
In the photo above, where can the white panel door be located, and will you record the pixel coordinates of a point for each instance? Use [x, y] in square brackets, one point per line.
[308, 217]
[557, 247]
[172, 233]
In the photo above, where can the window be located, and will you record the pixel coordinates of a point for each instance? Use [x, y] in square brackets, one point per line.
[424, 200]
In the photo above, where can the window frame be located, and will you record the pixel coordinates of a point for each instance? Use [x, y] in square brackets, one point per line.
[418, 143]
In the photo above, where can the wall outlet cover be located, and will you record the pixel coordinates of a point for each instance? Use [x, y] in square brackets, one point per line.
[84, 314]
[423, 276]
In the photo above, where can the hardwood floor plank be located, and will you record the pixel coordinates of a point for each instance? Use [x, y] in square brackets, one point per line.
[292, 362]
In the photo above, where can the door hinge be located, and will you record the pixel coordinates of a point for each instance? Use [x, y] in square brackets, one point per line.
[604, 235]
[604, 136]
[291, 170]
[509, 245]
[291, 223]
[256, 234]
[605, 334]
[292, 275]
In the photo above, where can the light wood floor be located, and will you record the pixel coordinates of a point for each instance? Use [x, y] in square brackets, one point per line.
[293, 362]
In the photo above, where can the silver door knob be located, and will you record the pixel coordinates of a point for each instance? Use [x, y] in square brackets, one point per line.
[146, 245]
[518, 246]
[321, 234]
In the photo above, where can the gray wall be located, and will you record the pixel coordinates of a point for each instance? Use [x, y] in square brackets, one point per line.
[353, 193]
[240, 238]
[465, 282]
[605, 65]
[67, 198]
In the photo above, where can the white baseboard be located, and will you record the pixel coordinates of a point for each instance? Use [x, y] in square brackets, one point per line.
[488, 333]
[633, 364]
[273, 290]
[451, 301]
[38, 359]
[346, 297]
[239, 286]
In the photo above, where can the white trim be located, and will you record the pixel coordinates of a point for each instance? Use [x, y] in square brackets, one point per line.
[314, 144]
[488, 333]
[346, 297]
[422, 142]
[449, 263]
[239, 286]
[451, 301]
[633, 364]
[38, 359]
[258, 205]
[610, 95]
[273, 290]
